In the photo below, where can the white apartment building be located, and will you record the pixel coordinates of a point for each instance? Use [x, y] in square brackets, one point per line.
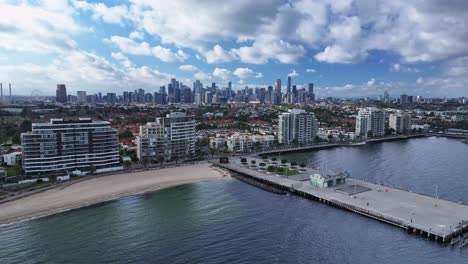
[242, 142]
[61, 147]
[370, 119]
[297, 126]
[171, 136]
[400, 122]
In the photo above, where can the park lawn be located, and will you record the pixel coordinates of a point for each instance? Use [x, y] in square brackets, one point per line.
[287, 172]
[11, 171]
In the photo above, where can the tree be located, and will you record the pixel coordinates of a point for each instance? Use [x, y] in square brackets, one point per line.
[271, 168]
[161, 159]
[243, 160]
[212, 152]
[293, 163]
[262, 164]
[317, 139]
[284, 161]
[303, 165]
[341, 137]
[127, 164]
[253, 162]
[330, 138]
[92, 169]
[126, 134]
[274, 159]
[176, 158]
[370, 133]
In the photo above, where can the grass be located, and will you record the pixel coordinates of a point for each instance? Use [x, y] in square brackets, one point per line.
[11, 171]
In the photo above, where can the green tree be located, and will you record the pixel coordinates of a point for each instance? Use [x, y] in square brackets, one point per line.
[161, 159]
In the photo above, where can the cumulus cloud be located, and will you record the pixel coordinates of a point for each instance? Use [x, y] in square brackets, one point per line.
[218, 55]
[130, 46]
[137, 35]
[41, 28]
[82, 70]
[224, 74]
[188, 67]
[342, 31]
[293, 73]
[203, 76]
[401, 68]
[246, 73]
[115, 14]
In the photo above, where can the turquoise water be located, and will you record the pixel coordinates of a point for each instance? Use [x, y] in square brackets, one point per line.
[227, 221]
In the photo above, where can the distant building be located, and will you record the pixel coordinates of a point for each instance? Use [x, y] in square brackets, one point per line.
[297, 126]
[171, 136]
[61, 147]
[400, 122]
[241, 142]
[61, 94]
[81, 97]
[370, 120]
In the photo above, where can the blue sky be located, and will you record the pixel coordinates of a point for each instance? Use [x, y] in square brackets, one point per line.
[347, 48]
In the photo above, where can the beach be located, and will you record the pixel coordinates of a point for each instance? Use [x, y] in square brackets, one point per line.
[100, 189]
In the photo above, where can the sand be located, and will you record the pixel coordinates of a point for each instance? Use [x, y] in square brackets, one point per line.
[96, 190]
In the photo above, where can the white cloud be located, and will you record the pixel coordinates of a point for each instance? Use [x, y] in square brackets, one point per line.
[203, 76]
[293, 73]
[129, 46]
[371, 82]
[400, 68]
[311, 70]
[224, 74]
[137, 35]
[219, 55]
[122, 59]
[344, 31]
[246, 73]
[337, 54]
[265, 49]
[81, 70]
[41, 28]
[114, 15]
[188, 67]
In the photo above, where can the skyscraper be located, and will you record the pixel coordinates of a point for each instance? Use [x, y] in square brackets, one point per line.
[289, 85]
[278, 86]
[61, 93]
[311, 93]
[81, 97]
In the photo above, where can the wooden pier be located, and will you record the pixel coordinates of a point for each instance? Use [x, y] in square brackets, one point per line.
[429, 217]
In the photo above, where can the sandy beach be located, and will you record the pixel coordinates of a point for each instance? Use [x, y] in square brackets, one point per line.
[95, 190]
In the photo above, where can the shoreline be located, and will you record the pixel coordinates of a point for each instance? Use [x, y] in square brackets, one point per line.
[89, 192]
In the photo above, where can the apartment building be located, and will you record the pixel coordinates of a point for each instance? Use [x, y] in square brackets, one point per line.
[370, 121]
[172, 136]
[400, 122]
[297, 126]
[61, 147]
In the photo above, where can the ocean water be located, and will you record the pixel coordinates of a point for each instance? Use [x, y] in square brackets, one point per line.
[227, 221]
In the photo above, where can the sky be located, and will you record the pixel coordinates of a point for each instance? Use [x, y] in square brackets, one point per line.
[347, 48]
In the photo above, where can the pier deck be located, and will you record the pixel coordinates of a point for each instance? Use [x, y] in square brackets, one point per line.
[434, 218]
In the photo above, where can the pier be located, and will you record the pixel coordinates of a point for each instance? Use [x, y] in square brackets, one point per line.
[429, 217]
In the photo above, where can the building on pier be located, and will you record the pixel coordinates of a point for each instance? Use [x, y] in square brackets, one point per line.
[328, 179]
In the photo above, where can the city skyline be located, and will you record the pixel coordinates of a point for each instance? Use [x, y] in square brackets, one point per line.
[340, 46]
